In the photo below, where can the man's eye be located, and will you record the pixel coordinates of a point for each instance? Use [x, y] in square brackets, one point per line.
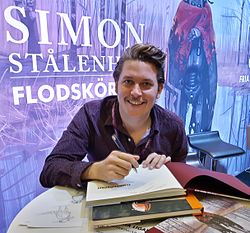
[127, 82]
[146, 84]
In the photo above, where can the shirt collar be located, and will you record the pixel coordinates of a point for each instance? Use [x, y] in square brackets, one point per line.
[155, 127]
[109, 120]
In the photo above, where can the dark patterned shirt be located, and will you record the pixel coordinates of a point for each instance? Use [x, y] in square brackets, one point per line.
[90, 135]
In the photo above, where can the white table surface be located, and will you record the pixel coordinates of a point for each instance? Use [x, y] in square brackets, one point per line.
[46, 208]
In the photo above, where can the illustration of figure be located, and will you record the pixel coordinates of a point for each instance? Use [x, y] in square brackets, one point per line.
[220, 223]
[141, 206]
[63, 214]
[192, 63]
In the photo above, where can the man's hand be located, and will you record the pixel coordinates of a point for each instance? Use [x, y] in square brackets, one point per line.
[194, 33]
[116, 166]
[155, 160]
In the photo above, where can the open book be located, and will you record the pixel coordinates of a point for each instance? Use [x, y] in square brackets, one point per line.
[169, 181]
[145, 184]
[137, 211]
[193, 178]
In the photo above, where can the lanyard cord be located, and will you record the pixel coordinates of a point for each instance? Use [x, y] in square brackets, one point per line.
[114, 121]
[149, 141]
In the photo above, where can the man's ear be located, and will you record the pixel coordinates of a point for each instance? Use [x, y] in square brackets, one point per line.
[116, 87]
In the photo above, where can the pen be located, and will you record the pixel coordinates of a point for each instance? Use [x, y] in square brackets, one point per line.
[120, 146]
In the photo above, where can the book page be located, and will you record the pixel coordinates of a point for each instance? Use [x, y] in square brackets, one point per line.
[144, 181]
[132, 228]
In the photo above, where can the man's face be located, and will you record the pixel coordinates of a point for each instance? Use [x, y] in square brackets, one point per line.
[137, 88]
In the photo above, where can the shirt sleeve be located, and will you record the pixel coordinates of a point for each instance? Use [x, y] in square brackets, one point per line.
[65, 164]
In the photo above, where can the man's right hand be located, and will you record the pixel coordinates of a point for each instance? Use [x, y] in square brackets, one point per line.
[194, 33]
[116, 166]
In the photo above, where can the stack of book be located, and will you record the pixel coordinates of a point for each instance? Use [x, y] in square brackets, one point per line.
[142, 195]
[158, 193]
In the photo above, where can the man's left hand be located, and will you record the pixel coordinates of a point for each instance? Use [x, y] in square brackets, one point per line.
[155, 160]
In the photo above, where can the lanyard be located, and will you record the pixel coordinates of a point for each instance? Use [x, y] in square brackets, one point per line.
[114, 120]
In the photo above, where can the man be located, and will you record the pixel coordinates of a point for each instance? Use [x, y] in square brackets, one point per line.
[147, 133]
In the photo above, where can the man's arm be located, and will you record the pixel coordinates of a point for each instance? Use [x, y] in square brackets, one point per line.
[64, 165]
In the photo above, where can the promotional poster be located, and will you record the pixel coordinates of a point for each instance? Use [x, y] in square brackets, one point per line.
[58, 54]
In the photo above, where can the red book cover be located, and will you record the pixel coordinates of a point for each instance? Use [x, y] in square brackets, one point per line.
[193, 178]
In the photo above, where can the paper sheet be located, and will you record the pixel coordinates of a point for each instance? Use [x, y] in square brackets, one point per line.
[57, 216]
[59, 209]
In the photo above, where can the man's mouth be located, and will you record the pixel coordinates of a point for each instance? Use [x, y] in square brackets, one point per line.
[136, 102]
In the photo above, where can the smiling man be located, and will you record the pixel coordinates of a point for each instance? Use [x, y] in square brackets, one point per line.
[119, 132]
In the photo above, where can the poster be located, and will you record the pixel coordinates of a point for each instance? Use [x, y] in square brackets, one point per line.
[56, 55]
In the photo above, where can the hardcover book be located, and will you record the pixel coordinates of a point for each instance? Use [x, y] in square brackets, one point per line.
[137, 211]
[193, 178]
[141, 185]
[171, 180]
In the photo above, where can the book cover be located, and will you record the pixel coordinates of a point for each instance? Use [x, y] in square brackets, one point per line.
[131, 212]
[193, 178]
[145, 184]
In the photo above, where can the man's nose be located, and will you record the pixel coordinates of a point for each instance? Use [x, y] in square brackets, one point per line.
[136, 91]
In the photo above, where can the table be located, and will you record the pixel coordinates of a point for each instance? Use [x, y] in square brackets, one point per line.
[64, 207]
